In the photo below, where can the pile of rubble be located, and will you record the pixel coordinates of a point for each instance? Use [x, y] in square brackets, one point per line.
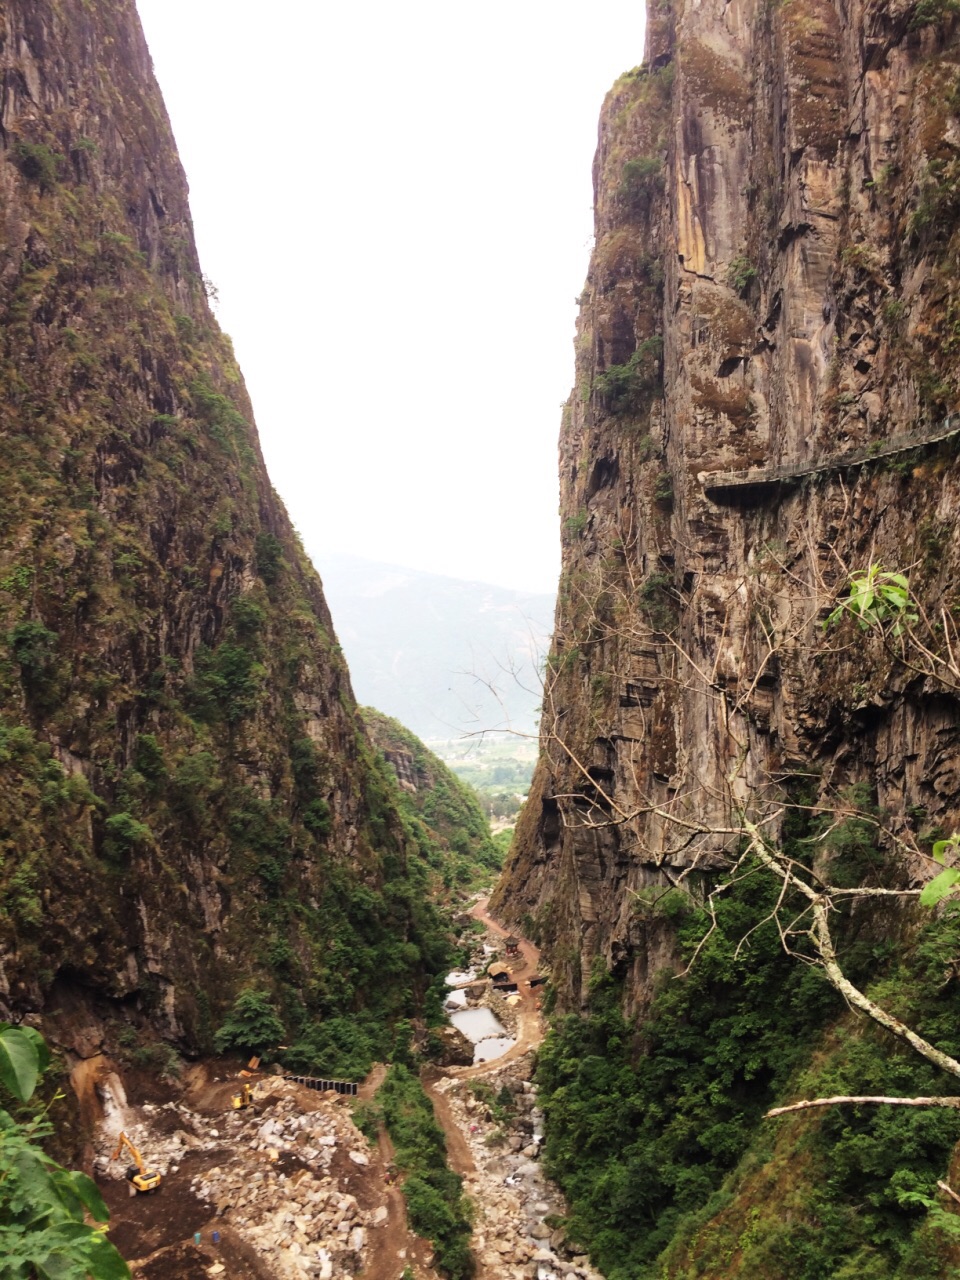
[275, 1184]
[301, 1222]
[513, 1237]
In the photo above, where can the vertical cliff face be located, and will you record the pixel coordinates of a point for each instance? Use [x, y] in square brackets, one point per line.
[187, 797]
[774, 284]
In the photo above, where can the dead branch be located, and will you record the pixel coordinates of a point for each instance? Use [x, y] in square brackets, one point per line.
[869, 1100]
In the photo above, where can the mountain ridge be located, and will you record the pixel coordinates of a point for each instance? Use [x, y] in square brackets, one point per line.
[476, 670]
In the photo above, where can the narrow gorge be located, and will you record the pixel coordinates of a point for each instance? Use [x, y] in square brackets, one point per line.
[230, 898]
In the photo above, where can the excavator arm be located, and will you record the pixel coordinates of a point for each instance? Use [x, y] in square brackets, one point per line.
[143, 1179]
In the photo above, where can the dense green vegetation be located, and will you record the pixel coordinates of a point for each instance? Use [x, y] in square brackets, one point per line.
[653, 1127]
[383, 951]
[443, 814]
[498, 769]
[436, 1205]
[180, 755]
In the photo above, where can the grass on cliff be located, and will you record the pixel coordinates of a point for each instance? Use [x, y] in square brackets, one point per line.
[160, 623]
[444, 814]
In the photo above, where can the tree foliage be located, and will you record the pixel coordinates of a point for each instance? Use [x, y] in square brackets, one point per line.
[877, 597]
[44, 1232]
[252, 1025]
[433, 1192]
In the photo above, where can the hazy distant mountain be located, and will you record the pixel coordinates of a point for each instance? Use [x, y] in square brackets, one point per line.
[425, 648]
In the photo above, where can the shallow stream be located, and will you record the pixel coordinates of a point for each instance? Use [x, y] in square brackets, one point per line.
[485, 1030]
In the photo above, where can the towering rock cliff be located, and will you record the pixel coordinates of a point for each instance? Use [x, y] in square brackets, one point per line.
[188, 801]
[773, 285]
[772, 301]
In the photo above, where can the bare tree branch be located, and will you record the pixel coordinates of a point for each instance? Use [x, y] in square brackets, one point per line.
[869, 1100]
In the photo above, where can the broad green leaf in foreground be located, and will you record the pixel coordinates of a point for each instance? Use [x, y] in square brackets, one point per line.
[19, 1061]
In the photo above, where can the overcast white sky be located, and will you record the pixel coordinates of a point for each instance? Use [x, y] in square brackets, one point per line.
[394, 203]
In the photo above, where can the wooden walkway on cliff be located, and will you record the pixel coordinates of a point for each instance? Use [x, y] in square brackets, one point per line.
[759, 482]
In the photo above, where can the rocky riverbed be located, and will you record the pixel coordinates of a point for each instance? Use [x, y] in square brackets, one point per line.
[516, 1236]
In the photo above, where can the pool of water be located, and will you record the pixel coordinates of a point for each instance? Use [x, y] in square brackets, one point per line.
[459, 977]
[489, 1036]
[477, 1024]
[492, 1047]
[455, 1000]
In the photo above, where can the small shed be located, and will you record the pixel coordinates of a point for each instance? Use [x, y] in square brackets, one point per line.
[499, 973]
[513, 946]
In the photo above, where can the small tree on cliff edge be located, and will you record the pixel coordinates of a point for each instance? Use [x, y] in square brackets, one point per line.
[252, 1025]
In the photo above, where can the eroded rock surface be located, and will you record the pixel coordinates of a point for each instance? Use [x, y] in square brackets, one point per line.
[772, 284]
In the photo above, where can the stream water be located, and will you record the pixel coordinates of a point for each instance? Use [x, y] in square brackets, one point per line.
[484, 1029]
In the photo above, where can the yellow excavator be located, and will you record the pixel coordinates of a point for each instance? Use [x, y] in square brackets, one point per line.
[243, 1099]
[144, 1180]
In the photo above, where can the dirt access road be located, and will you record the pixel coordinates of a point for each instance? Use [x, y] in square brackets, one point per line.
[529, 1024]
[393, 1244]
[529, 1035]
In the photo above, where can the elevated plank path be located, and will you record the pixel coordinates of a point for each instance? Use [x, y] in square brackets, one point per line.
[759, 482]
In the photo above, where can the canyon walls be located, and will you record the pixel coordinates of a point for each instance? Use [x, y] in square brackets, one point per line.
[773, 284]
[188, 800]
[766, 365]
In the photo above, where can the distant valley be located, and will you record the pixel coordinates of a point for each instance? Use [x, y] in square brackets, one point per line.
[443, 655]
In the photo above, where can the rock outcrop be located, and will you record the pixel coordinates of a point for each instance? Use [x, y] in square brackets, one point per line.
[185, 787]
[773, 284]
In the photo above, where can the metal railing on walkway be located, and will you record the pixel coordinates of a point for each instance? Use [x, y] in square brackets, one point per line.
[347, 1087]
[758, 480]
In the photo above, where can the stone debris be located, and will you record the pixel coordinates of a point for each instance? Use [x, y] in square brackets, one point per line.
[513, 1237]
[273, 1184]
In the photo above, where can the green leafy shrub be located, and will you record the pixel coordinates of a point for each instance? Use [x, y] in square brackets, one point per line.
[642, 181]
[368, 1118]
[228, 683]
[253, 1025]
[148, 758]
[644, 1122]
[269, 554]
[929, 12]
[34, 646]
[248, 617]
[124, 834]
[877, 598]
[740, 272]
[338, 1048]
[38, 163]
[44, 1208]
[316, 818]
[18, 580]
[629, 389]
[657, 601]
[195, 782]
[224, 420]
